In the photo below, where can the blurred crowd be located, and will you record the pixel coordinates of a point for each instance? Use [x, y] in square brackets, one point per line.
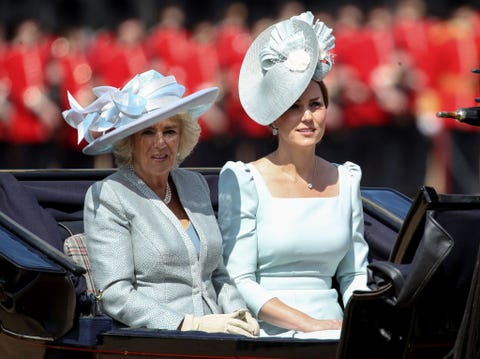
[395, 67]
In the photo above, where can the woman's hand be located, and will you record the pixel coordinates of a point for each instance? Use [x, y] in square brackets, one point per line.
[282, 315]
[246, 316]
[314, 325]
[239, 322]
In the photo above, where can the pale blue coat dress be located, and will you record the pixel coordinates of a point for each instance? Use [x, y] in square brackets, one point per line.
[292, 248]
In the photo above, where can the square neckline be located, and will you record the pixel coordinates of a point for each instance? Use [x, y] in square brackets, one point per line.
[256, 173]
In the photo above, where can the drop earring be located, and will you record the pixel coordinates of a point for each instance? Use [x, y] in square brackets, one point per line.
[274, 131]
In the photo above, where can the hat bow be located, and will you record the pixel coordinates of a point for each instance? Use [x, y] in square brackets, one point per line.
[115, 108]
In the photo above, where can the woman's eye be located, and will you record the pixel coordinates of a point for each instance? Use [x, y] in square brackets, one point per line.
[148, 132]
[169, 133]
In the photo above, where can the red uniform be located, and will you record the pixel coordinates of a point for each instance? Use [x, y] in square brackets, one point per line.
[414, 37]
[171, 51]
[25, 68]
[357, 56]
[115, 61]
[232, 44]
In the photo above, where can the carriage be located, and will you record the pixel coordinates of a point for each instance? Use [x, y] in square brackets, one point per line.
[423, 275]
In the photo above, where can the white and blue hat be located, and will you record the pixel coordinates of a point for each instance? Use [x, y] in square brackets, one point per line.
[145, 100]
[280, 63]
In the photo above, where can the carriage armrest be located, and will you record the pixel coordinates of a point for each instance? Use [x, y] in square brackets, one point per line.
[39, 244]
[381, 273]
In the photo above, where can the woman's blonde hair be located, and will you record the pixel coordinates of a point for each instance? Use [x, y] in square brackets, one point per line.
[189, 135]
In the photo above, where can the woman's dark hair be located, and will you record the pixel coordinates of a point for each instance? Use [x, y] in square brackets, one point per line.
[324, 89]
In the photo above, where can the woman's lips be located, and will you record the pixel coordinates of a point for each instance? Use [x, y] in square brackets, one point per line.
[306, 130]
[160, 157]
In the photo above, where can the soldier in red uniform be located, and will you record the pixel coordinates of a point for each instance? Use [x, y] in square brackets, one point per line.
[118, 56]
[357, 57]
[34, 117]
[411, 32]
[395, 81]
[169, 46]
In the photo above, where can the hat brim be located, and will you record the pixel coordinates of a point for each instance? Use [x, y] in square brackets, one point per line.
[195, 104]
[265, 97]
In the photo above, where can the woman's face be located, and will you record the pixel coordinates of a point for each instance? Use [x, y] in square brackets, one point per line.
[155, 149]
[304, 122]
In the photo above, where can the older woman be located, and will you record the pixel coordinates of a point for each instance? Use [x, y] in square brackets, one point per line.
[292, 222]
[152, 237]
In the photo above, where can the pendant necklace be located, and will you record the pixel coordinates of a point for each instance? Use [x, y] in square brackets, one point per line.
[168, 194]
[310, 184]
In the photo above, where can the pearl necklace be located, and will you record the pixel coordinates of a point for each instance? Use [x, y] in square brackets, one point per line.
[168, 194]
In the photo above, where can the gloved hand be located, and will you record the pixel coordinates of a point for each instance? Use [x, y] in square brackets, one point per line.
[232, 323]
[246, 316]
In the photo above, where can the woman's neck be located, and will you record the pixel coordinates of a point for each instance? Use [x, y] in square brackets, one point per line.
[157, 182]
[299, 161]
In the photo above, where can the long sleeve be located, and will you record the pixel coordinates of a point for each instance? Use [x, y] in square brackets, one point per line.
[229, 298]
[238, 201]
[352, 270]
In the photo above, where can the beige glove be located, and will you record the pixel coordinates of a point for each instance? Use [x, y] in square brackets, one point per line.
[246, 316]
[232, 323]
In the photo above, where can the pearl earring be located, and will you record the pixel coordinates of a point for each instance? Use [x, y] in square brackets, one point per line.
[275, 131]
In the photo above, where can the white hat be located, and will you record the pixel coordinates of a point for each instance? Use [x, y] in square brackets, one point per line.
[280, 63]
[145, 100]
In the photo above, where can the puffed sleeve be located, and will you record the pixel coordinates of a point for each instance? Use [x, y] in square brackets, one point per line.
[237, 207]
[352, 270]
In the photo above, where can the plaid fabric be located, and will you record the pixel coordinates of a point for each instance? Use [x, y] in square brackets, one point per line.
[74, 247]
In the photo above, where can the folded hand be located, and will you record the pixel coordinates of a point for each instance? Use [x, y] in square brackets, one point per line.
[239, 322]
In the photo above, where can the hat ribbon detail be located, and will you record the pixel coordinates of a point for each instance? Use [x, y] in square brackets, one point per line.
[287, 47]
[326, 42]
[115, 108]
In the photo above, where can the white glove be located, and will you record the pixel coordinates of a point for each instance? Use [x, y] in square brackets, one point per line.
[232, 323]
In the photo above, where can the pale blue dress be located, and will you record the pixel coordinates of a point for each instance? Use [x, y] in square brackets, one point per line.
[291, 248]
